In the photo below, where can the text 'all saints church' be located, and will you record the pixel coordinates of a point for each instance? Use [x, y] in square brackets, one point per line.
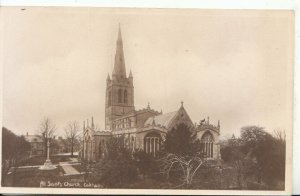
[142, 129]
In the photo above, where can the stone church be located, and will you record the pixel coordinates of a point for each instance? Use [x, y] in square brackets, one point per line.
[141, 129]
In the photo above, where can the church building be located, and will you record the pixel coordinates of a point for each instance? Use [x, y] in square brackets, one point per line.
[143, 129]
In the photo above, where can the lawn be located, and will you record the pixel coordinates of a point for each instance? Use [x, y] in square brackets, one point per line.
[31, 177]
[79, 167]
[40, 160]
[34, 177]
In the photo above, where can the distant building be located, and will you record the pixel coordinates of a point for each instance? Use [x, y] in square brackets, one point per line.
[62, 145]
[142, 129]
[36, 143]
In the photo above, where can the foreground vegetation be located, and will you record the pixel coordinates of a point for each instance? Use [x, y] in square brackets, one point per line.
[253, 161]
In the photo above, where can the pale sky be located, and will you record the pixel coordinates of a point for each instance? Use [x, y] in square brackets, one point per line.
[233, 66]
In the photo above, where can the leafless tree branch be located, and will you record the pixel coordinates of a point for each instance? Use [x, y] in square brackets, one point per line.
[189, 165]
[72, 131]
[47, 130]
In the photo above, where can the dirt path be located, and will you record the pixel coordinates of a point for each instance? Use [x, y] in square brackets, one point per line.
[68, 168]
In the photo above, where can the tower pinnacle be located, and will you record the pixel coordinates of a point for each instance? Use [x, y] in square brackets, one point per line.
[93, 126]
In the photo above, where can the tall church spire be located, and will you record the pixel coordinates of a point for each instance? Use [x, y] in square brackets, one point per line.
[119, 34]
[119, 99]
[119, 67]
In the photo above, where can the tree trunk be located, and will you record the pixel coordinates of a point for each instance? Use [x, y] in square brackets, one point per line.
[72, 145]
[239, 178]
[14, 172]
[46, 147]
[5, 168]
[259, 175]
[188, 178]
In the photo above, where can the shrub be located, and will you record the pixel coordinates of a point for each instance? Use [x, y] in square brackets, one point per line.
[146, 164]
[117, 169]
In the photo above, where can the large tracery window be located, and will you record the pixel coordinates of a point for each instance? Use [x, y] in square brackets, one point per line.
[207, 144]
[152, 143]
[120, 96]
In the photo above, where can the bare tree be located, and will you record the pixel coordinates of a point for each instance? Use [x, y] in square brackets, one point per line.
[280, 135]
[47, 130]
[72, 131]
[188, 165]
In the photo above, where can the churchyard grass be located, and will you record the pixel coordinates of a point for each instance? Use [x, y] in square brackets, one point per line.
[31, 177]
[40, 160]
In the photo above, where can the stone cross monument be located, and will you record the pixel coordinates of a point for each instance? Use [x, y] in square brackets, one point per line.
[48, 165]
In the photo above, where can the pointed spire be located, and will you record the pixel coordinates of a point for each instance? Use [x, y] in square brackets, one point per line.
[233, 136]
[219, 124]
[108, 77]
[130, 74]
[83, 125]
[153, 122]
[181, 103]
[119, 34]
[119, 66]
[93, 122]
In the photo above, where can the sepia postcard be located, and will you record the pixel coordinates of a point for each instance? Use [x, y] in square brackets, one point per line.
[146, 101]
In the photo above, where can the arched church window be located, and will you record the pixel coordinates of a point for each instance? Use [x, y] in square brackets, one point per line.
[125, 96]
[207, 144]
[152, 143]
[120, 96]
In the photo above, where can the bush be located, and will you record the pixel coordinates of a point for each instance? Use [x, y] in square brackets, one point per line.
[257, 157]
[114, 173]
[117, 169]
[182, 141]
[146, 164]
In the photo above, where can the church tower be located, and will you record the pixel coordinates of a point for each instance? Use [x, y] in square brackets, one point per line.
[119, 98]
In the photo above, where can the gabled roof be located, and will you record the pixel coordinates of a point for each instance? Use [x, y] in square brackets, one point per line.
[162, 119]
[169, 120]
[103, 132]
[33, 138]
